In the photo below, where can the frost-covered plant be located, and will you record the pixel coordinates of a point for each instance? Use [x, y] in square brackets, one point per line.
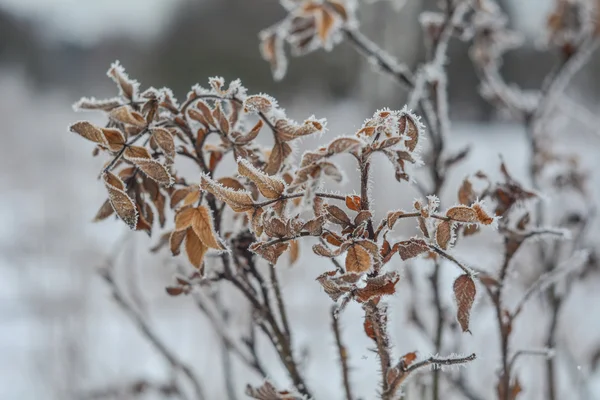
[234, 225]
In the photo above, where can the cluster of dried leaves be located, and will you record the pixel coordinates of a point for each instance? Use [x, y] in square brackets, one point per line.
[271, 201]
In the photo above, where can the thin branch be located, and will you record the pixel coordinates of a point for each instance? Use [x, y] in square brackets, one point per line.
[447, 256]
[280, 303]
[296, 195]
[342, 352]
[440, 362]
[152, 337]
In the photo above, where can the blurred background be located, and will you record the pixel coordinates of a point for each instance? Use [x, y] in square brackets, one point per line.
[61, 335]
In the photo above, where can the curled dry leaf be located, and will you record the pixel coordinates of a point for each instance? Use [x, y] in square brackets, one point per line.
[358, 259]
[392, 217]
[378, 286]
[409, 127]
[464, 291]
[482, 215]
[443, 234]
[128, 87]
[412, 248]
[123, 205]
[238, 200]
[462, 214]
[270, 187]
[259, 103]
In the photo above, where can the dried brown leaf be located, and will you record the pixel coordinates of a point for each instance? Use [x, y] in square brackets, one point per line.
[462, 214]
[294, 251]
[353, 203]
[466, 195]
[114, 138]
[238, 200]
[89, 131]
[105, 211]
[126, 115]
[412, 248]
[270, 253]
[270, 187]
[464, 291]
[358, 259]
[278, 155]
[123, 205]
[337, 215]
[164, 141]
[443, 234]
[153, 169]
[343, 145]
[175, 241]
[202, 224]
[194, 249]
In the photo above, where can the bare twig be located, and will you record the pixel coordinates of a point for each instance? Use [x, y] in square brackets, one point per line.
[342, 352]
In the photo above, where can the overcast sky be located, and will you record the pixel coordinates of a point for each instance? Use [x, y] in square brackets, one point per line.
[89, 20]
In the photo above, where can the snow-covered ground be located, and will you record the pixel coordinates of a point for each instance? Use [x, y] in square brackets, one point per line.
[61, 333]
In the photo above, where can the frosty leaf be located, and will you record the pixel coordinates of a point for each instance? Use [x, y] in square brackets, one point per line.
[423, 226]
[343, 145]
[325, 22]
[136, 152]
[207, 115]
[255, 217]
[259, 103]
[184, 219]
[339, 7]
[287, 130]
[238, 200]
[86, 103]
[128, 88]
[408, 126]
[482, 215]
[221, 119]
[357, 259]
[278, 155]
[443, 234]
[270, 253]
[127, 116]
[275, 227]
[412, 248]
[198, 116]
[378, 286]
[270, 187]
[89, 131]
[362, 216]
[202, 224]
[114, 138]
[250, 136]
[462, 214]
[353, 203]
[119, 200]
[337, 215]
[464, 291]
[392, 217]
[194, 248]
[105, 211]
[231, 183]
[178, 195]
[314, 226]
[164, 141]
[466, 195]
[153, 169]
[324, 251]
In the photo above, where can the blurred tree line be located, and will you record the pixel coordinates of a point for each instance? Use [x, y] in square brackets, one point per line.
[207, 38]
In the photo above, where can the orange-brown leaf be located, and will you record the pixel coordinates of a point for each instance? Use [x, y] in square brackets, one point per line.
[464, 291]
[184, 219]
[114, 138]
[278, 155]
[270, 187]
[270, 253]
[126, 115]
[353, 203]
[194, 248]
[202, 224]
[153, 170]
[357, 259]
[325, 21]
[238, 200]
[105, 211]
[294, 251]
[482, 216]
[466, 195]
